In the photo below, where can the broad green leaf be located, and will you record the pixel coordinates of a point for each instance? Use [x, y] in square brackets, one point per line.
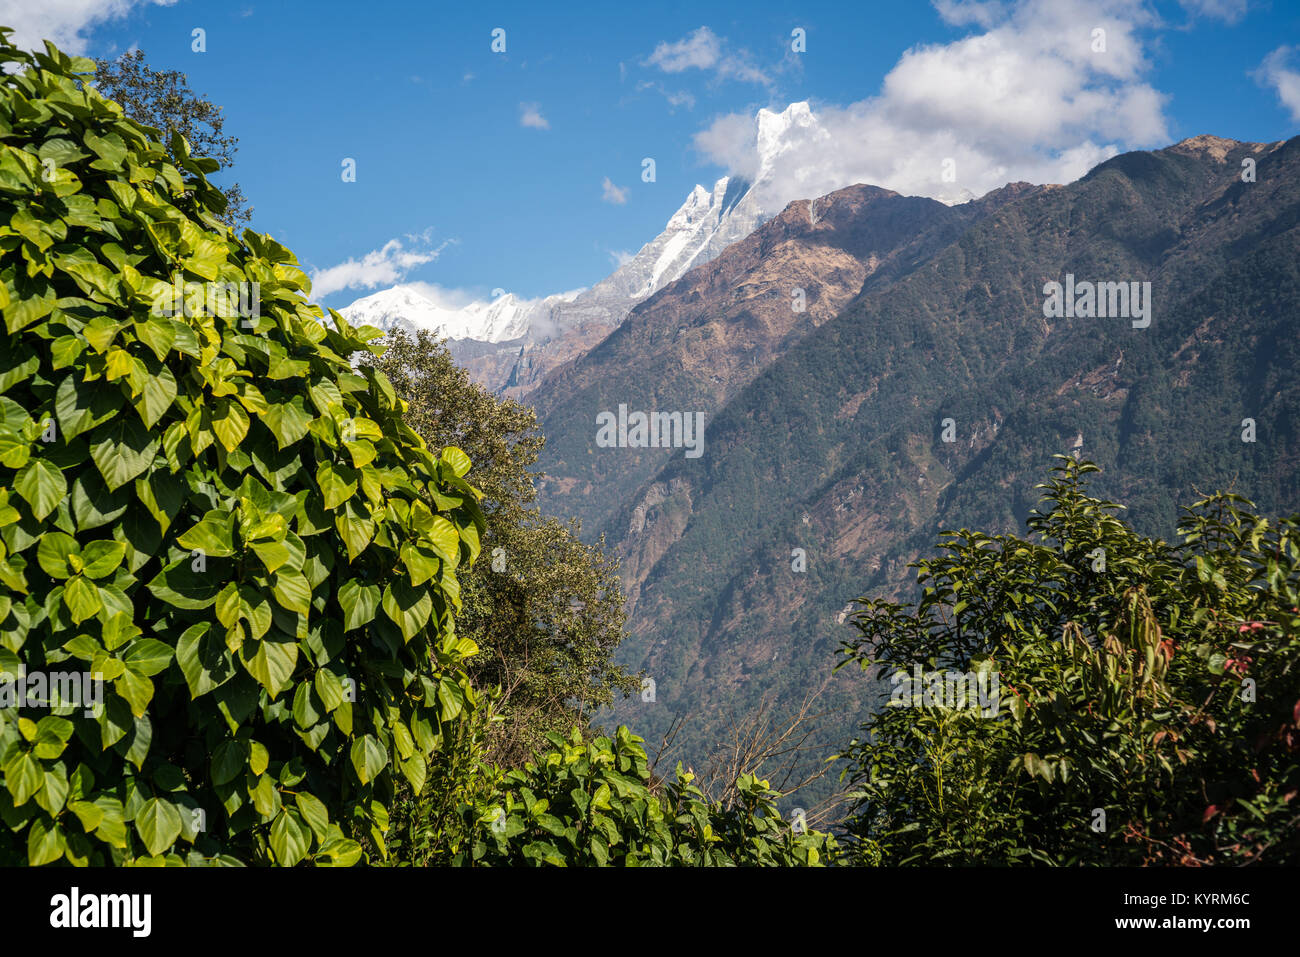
[159, 824]
[270, 661]
[136, 689]
[228, 762]
[81, 406]
[314, 812]
[329, 688]
[93, 505]
[102, 558]
[42, 485]
[408, 607]
[203, 658]
[458, 460]
[368, 757]
[82, 598]
[23, 777]
[258, 757]
[122, 450]
[335, 485]
[148, 656]
[290, 838]
[266, 799]
[214, 535]
[45, 842]
[230, 423]
[356, 532]
[181, 585]
[272, 554]
[292, 592]
[288, 420]
[359, 603]
[445, 540]
[304, 710]
[415, 770]
[156, 398]
[54, 552]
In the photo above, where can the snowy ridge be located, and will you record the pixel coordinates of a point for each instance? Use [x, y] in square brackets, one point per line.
[706, 223]
[404, 307]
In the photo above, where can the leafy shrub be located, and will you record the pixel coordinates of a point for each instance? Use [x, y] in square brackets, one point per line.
[213, 511]
[1148, 712]
[593, 803]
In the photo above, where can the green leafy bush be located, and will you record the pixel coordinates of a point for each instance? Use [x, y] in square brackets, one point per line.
[595, 803]
[1148, 703]
[206, 506]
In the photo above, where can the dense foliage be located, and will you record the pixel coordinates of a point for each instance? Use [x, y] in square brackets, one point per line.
[207, 508]
[595, 803]
[1149, 694]
[544, 609]
[238, 530]
[236, 537]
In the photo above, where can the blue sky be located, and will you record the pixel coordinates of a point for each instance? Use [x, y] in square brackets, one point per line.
[479, 170]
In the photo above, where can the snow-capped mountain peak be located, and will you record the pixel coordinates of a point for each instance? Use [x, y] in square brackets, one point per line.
[404, 307]
[706, 223]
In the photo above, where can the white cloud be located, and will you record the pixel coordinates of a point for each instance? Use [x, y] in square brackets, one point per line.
[530, 115]
[1275, 71]
[620, 257]
[680, 98]
[675, 98]
[1022, 97]
[701, 50]
[613, 194]
[1229, 11]
[380, 267]
[961, 13]
[443, 297]
[65, 22]
[705, 50]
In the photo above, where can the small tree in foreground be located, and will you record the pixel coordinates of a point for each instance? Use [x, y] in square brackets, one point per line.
[163, 99]
[594, 803]
[1146, 696]
[544, 608]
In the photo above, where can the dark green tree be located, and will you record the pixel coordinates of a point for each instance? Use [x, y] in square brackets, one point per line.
[1146, 706]
[545, 609]
[163, 99]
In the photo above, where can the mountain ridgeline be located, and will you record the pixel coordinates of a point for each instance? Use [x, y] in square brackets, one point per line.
[875, 369]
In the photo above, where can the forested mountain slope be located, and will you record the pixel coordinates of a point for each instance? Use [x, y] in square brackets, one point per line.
[837, 447]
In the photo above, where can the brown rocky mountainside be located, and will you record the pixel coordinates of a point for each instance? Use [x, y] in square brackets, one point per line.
[702, 339]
